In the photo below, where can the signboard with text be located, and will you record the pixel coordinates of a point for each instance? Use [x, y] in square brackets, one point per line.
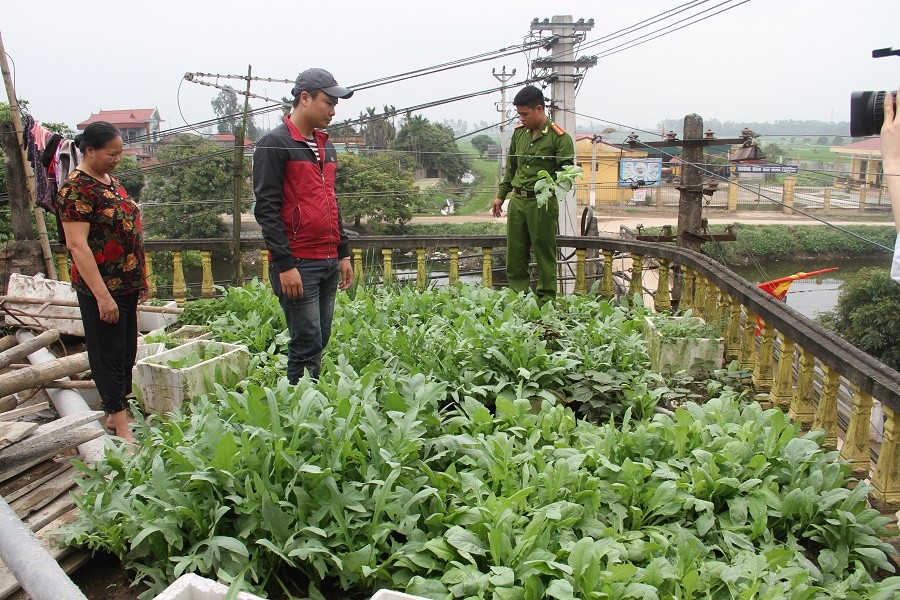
[761, 169]
[640, 172]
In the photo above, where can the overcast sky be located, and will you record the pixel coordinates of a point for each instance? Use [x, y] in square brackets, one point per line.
[764, 60]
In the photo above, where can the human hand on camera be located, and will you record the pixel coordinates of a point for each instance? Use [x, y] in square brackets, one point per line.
[890, 137]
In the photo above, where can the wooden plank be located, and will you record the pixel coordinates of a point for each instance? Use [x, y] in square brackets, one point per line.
[44, 494]
[8, 583]
[22, 411]
[33, 477]
[12, 432]
[48, 513]
[22, 456]
[74, 420]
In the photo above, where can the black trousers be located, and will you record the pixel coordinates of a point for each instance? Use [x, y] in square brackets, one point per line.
[111, 348]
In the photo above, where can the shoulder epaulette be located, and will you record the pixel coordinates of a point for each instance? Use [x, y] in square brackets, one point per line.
[557, 129]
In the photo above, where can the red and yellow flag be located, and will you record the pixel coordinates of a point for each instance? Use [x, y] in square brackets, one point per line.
[779, 287]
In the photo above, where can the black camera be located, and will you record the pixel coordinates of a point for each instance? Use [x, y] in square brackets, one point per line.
[867, 113]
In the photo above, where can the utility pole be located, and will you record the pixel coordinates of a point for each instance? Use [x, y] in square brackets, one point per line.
[564, 73]
[503, 77]
[690, 206]
[49, 265]
[239, 136]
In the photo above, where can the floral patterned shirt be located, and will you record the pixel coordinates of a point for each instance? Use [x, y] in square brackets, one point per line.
[114, 236]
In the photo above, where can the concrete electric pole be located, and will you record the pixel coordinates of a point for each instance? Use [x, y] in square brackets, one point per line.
[503, 77]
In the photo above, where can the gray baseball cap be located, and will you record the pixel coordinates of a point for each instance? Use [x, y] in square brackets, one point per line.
[319, 79]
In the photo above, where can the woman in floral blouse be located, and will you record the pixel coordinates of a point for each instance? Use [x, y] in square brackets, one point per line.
[103, 234]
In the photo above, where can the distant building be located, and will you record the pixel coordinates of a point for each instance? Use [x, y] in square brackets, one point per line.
[865, 162]
[139, 127]
[226, 140]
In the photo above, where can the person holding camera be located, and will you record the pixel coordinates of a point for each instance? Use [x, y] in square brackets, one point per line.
[890, 166]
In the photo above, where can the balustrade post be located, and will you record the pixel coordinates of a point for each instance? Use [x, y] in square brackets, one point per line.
[207, 287]
[607, 288]
[264, 261]
[580, 282]
[783, 389]
[687, 289]
[62, 266]
[420, 269]
[733, 331]
[856, 441]
[732, 194]
[663, 300]
[487, 277]
[358, 273]
[748, 342]
[454, 265]
[179, 288]
[711, 309]
[762, 372]
[826, 413]
[387, 255]
[886, 478]
[699, 295]
[148, 270]
[803, 404]
[636, 285]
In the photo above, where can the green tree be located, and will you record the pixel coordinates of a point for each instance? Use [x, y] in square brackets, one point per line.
[190, 187]
[773, 152]
[868, 315]
[432, 147]
[837, 141]
[481, 143]
[822, 141]
[60, 128]
[378, 129]
[130, 176]
[342, 128]
[231, 113]
[375, 188]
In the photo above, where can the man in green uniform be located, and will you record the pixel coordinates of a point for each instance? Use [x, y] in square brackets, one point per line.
[538, 144]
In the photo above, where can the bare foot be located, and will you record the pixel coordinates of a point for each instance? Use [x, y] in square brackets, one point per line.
[120, 422]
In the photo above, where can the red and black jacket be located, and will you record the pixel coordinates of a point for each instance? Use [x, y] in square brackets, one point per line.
[296, 206]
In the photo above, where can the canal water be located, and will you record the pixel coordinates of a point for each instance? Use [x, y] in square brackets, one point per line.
[816, 294]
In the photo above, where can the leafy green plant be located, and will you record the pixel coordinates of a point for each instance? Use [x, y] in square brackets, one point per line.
[671, 328]
[557, 186]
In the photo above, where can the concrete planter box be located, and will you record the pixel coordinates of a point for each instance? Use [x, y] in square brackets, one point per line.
[681, 354]
[149, 321]
[163, 388]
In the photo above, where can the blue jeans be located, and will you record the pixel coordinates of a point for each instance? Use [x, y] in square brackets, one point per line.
[308, 318]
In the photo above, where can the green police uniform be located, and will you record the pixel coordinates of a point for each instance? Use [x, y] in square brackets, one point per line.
[527, 226]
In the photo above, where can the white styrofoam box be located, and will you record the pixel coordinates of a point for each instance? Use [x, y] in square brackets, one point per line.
[65, 319]
[194, 587]
[163, 388]
[189, 333]
[145, 350]
[392, 595]
[148, 321]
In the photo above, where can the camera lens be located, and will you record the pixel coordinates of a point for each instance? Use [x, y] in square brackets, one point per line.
[867, 113]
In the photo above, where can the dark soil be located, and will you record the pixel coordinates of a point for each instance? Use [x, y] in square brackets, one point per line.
[104, 578]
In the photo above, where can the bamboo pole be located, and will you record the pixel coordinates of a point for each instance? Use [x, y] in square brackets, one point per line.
[141, 307]
[38, 375]
[24, 349]
[29, 173]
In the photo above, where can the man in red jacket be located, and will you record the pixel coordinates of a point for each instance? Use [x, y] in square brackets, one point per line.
[294, 167]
